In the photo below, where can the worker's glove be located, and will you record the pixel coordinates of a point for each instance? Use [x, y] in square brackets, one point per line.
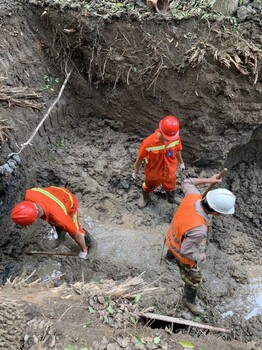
[15, 157]
[6, 169]
[83, 255]
[134, 175]
[182, 166]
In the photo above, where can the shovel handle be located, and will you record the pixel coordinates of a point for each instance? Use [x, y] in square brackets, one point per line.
[49, 253]
[221, 174]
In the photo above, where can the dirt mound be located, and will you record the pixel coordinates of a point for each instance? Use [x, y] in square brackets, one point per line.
[92, 316]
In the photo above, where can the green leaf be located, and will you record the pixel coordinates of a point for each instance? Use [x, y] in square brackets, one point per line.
[86, 324]
[186, 344]
[137, 298]
[91, 310]
[70, 347]
[157, 340]
[84, 349]
[110, 309]
[140, 340]
[133, 320]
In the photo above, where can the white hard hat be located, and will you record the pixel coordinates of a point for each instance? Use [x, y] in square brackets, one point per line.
[221, 200]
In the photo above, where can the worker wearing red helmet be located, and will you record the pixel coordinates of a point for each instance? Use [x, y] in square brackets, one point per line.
[58, 207]
[162, 152]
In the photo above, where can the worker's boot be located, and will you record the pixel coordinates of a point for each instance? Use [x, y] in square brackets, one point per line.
[88, 239]
[169, 255]
[170, 196]
[144, 199]
[60, 236]
[189, 299]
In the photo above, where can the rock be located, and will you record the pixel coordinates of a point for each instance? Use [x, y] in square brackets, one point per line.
[245, 12]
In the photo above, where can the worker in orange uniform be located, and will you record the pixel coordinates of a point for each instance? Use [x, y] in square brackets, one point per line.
[58, 207]
[161, 151]
[186, 237]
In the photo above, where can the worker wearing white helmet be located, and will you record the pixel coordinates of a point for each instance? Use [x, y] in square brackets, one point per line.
[187, 233]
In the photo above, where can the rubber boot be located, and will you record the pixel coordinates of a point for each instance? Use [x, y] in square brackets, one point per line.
[144, 199]
[60, 236]
[170, 196]
[169, 255]
[88, 239]
[189, 299]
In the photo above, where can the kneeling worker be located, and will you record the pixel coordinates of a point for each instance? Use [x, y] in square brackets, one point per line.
[186, 237]
[58, 207]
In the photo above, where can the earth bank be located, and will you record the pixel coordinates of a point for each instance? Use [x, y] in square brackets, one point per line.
[127, 73]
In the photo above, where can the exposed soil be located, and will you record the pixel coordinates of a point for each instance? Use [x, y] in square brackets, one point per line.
[131, 67]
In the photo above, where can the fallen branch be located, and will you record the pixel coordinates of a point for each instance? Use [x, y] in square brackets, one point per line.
[183, 322]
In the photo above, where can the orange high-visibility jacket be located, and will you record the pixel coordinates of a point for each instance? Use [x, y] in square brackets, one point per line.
[185, 219]
[60, 207]
[161, 161]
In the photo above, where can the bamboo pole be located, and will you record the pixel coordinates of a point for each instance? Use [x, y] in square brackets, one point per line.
[183, 322]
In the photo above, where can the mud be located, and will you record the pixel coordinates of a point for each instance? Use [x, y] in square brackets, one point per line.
[91, 139]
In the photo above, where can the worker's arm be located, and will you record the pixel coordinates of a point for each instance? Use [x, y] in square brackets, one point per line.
[79, 239]
[211, 180]
[180, 159]
[194, 244]
[189, 185]
[137, 167]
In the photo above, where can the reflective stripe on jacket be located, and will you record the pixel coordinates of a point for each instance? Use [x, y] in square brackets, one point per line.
[185, 219]
[60, 207]
[161, 158]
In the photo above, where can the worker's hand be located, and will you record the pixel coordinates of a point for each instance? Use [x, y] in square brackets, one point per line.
[213, 179]
[134, 175]
[182, 166]
[83, 255]
[14, 157]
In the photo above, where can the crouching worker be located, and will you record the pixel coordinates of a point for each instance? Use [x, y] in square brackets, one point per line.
[58, 207]
[186, 237]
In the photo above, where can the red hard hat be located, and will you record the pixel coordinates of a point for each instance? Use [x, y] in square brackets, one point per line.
[24, 213]
[169, 127]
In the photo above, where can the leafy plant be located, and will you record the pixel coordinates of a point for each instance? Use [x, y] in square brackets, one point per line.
[90, 309]
[137, 298]
[140, 340]
[157, 340]
[133, 320]
[186, 344]
[50, 82]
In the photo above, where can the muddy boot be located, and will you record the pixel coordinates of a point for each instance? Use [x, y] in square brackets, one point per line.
[169, 255]
[170, 196]
[144, 199]
[60, 237]
[189, 299]
[88, 239]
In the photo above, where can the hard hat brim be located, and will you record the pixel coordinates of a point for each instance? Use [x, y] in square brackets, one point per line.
[170, 138]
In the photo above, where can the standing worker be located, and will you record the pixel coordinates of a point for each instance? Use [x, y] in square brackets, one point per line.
[186, 237]
[58, 207]
[161, 151]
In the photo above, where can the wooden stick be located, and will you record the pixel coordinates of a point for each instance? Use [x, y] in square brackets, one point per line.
[221, 174]
[48, 253]
[184, 322]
